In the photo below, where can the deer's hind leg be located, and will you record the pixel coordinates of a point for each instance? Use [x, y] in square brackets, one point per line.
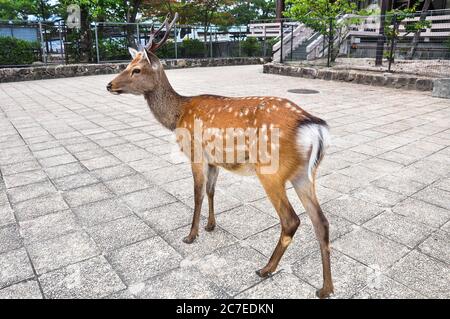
[305, 189]
[275, 189]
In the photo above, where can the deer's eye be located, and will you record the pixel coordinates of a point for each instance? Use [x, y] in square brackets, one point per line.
[135, 71]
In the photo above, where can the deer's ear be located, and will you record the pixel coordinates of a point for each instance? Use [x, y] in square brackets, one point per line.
[133, 52]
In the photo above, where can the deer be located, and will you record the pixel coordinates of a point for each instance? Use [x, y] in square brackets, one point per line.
[300, 145]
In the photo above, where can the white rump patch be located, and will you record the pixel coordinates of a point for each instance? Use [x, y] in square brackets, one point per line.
[309, 138]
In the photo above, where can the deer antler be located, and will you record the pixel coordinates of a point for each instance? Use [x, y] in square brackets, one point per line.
[152, 46]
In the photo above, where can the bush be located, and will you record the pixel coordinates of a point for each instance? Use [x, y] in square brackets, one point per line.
[251, 47]
[113, 49]
[447, 44]
[193, 48]
[15, 51]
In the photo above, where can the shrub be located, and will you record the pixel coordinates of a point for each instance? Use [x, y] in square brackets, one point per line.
[114, 49]
[251, 47]
[15, 51]
[193, 48]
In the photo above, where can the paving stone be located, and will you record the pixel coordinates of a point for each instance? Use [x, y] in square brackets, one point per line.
[280, 286]
[148, 198]
[205, 244]
[178, 283]
[148, 164]
[232, 268]
[120, 232]
[383, 252]
[128, 184]
[434, 196]
[24, 178]
[422, 212]
[101, 212]
[50, 152]
[61, 251]
[380, 196]
[64, 170]
[244, 221]
[22, 193]
[128, 153]
[303, 243]
[399, 184]
[168, 174]
[383, 287]
[9, 238]
[349, 276]
[23, 290]
[14, 267]
[421, 273]
[109, 173]
[39, 207]
[93, 278]
[100, 162]
[140, 261]
[6, 215]
[266, 206]
[48, 226]
[87, 194]
[21, 167]
[352, 209]
[399, 229]
[437, 246]
[443, 184]
[57, 160]
[75, 181]
[168, 217]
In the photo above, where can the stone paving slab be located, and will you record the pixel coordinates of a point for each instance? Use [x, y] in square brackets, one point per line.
[94, 203]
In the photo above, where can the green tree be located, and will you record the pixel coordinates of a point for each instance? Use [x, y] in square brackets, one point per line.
[244, 11]
[322, 16]
[22, 9]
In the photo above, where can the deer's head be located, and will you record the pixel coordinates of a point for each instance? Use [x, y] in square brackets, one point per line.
[144, 72]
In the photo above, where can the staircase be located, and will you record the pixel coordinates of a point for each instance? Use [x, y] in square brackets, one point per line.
[301, 52]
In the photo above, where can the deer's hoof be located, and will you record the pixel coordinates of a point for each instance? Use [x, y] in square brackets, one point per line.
[263, 273]
[209, 228]
[324, 293]
[189, 239]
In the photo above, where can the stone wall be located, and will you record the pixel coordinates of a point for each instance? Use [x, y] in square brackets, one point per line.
[63, 71]
[398, 81]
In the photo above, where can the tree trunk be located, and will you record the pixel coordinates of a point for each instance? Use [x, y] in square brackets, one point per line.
[85, 36]
[381, 39]
[415, 41]
[280, 9]
[131, 18]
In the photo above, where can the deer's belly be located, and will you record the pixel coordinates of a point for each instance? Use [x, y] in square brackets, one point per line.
[240, 169]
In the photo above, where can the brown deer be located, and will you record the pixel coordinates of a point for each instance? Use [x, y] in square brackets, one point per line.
[298, 145]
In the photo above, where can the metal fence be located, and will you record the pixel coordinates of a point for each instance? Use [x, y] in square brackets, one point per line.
[417, 43]
[55, 43]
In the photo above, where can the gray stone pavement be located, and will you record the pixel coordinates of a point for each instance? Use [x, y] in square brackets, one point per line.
[94, 203]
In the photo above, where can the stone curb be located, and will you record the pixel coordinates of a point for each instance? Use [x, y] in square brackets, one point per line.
[408, 82]
[71, 70]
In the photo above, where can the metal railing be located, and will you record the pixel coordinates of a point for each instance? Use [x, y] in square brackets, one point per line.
[416, 43]
[109, 41]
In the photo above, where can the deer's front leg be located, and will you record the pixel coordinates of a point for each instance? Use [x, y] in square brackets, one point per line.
[213, 173]
[199, 192]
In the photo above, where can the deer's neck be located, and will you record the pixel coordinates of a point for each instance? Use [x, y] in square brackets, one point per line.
[165, 103]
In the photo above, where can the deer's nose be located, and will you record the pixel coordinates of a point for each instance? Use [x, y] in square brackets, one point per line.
[109, 86]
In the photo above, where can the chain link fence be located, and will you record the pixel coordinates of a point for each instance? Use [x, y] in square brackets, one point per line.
[55, 43]
[416, 43]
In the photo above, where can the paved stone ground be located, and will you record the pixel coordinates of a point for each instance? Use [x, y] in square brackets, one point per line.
[94, 204]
